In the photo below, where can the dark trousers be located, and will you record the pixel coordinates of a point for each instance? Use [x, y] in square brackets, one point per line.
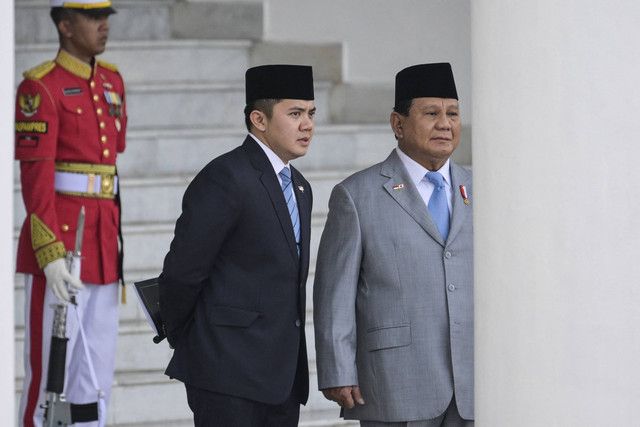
[220, 410]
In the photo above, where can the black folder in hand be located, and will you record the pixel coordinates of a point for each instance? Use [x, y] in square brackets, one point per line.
[148, 294]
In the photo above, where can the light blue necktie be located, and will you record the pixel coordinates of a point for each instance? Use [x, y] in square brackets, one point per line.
[438, 206]
[285, 175]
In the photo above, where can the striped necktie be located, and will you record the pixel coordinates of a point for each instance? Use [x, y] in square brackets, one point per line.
[287, 189]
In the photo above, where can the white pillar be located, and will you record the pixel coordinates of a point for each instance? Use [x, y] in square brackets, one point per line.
[556, 156]
[7, 265]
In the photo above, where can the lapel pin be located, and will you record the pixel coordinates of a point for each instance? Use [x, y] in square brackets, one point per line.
[463, 191]
[398, 187]
[301, 188]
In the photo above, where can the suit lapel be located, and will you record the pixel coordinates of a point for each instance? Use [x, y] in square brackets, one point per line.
[403, 191]
[461, 211]
[260, 162]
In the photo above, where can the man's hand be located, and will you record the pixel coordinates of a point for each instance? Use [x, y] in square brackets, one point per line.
[57, 274]
[346, 397]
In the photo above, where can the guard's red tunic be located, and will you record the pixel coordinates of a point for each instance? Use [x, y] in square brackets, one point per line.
[69, 111]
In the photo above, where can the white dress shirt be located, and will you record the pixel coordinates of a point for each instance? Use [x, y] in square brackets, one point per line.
[276, 162]
[417, 174]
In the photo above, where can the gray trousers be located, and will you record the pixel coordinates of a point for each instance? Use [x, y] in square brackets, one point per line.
[450, 418]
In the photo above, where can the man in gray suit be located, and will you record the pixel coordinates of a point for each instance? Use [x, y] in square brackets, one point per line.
[393, 294]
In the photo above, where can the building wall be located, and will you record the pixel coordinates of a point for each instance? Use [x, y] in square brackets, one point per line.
[381, 37]
[557, 217]
[6, 215]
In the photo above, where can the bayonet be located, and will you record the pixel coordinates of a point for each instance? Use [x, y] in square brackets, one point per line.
[58, 412]
[74, 258]
[77, 251]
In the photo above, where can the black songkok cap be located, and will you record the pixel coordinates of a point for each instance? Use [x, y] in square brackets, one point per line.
[425, 81]
[279, 82]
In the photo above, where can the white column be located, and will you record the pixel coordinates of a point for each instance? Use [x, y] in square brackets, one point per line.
[556, 156]
[7, 264]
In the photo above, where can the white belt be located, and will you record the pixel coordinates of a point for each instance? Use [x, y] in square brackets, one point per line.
[86, 184]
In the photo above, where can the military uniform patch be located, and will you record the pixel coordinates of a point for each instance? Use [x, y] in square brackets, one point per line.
[29, 103]
[72, 91]
[28, 141]
[32, 127]
[41, 235]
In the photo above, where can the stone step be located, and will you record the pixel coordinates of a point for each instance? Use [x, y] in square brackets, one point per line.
[145, 396]
[148, 232]
[202, 61]
[150, 398]
[187, 105]
[146, 244]
[158, 164]
[136, 20]
[158, 61]
[136, 350]
[158, 200]
[131, 315]
[152, 20]
[184, 151]
[138, 396]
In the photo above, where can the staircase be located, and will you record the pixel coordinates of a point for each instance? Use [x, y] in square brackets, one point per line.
[183, 64]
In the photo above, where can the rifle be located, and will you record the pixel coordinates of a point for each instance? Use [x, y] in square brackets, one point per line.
[57, 411]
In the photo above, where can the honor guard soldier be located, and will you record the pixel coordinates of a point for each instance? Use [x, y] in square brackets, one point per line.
[70, 124]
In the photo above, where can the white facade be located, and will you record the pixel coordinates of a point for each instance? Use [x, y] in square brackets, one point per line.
[555, 153]
[380, 38]
[6, 215]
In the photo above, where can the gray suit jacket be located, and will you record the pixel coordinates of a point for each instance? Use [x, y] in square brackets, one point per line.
[393, 303]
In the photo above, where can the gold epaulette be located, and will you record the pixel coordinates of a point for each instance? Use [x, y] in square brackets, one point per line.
[107, 65]
[39, 71]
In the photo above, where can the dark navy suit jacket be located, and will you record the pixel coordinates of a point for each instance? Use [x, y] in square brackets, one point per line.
[232, 290]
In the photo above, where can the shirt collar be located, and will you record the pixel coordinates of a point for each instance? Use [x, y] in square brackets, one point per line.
[417, 172]
[276, 162]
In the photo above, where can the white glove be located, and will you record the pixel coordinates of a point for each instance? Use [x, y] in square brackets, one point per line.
[57, 274]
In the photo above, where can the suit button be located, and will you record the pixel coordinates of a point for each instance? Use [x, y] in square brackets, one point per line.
[451, 287]
[447, 255]
[65, 227]
[297, 323]
[96, 98]
[106, 153]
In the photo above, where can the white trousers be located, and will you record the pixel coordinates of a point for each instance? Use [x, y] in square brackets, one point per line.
[97, 307]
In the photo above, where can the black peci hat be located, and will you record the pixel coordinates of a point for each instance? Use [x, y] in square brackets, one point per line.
[279, 82]
[425, 81]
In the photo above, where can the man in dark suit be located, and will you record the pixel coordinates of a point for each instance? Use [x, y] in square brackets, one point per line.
[232, 291]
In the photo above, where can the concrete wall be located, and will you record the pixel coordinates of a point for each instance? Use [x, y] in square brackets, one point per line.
[381, 37]
[557, 212]
[6, 215]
